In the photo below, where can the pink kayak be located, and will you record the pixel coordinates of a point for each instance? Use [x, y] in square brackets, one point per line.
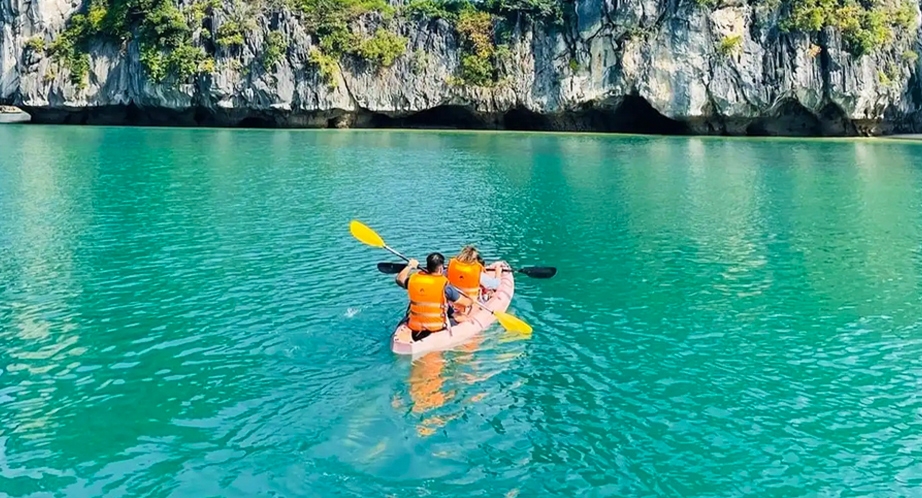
[402, 342]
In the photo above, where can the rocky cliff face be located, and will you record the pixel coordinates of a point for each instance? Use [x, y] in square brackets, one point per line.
[666, 66]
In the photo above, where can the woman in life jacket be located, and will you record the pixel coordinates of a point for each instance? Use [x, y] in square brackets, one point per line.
[467, 272]
[430, 294]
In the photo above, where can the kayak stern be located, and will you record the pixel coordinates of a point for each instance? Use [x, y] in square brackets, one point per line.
[402, 343]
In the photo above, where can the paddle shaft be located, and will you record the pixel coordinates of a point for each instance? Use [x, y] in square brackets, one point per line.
[401, 256]
[397, 268]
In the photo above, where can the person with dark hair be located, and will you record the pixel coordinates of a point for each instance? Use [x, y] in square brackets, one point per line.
[430, 295]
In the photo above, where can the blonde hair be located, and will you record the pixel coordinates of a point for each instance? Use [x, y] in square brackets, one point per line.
[468, 254]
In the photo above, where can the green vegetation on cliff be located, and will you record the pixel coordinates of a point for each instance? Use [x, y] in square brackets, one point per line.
[177, 41]
[274, 50]
[174, 43]
[478, 47]
[163, 31]
[865, 26]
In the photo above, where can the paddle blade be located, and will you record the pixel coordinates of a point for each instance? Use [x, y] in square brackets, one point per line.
[511, 323]
[539, 271]
[391, 268]
[365, 235]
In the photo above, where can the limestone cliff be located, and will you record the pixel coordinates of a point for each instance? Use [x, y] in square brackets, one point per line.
[672, 66]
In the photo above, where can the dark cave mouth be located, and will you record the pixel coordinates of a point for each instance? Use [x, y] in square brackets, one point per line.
[630, 114]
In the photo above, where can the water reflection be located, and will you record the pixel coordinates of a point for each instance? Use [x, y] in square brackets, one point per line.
[184, 313]
[40, 284]
[427, 383]
[445, 385]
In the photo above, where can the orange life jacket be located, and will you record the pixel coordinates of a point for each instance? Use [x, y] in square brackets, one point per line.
[428, 306]
[465, 277]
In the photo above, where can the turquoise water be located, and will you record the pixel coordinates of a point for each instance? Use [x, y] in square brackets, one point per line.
[184, 313]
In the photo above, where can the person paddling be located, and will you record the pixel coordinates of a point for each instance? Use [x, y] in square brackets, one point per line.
[429, 292]
[466, 271]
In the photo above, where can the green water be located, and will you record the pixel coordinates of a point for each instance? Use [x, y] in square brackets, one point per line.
[184, 313]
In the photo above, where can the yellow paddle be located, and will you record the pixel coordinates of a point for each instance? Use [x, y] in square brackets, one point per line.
[368, 236]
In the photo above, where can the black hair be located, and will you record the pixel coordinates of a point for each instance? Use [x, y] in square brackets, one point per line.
[434, 261]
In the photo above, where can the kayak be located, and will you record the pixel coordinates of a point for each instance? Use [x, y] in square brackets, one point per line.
[403, 343]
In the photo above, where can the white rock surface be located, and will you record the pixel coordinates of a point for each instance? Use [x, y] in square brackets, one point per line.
[666, 53]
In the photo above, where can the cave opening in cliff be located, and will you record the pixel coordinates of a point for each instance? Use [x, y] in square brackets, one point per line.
[523, 119]
[443, 116]
[256, 122]
[203, 117]
[633, 115]
[133, 115]
[835, 122]
[790, 118]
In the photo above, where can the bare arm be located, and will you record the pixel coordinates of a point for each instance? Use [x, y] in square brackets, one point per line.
[463, 301]
[455, 296]
[404, 274]
[497, 270]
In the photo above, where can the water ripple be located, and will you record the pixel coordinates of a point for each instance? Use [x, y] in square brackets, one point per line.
[189, 316]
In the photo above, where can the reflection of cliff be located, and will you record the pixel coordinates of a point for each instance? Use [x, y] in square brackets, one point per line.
[732, 231]
[37, 271]
[863, 256]
[103, 316]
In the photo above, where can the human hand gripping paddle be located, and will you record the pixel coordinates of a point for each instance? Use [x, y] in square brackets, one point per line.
[369, 237]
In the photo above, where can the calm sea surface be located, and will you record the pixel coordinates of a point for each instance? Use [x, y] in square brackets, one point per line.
[184, 313]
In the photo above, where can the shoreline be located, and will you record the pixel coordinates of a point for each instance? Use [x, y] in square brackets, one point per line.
[23, 117]
[632, 116]
[910, 137]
